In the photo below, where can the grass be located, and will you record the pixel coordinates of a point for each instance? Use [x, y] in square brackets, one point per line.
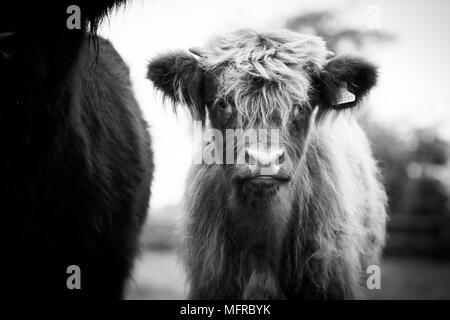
[412, 279]
[160, 275]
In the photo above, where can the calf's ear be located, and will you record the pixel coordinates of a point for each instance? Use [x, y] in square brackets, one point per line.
[179, 77]
[343, 82]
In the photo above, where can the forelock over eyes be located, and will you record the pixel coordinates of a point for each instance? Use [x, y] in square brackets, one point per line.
[263, 74]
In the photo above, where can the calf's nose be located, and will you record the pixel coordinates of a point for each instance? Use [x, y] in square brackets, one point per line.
[266, 161]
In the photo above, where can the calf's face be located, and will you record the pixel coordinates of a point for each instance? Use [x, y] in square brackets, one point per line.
[265, 94]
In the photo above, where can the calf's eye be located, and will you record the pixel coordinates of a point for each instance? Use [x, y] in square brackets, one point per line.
[224, 108]
[299, 111]
[223, 112]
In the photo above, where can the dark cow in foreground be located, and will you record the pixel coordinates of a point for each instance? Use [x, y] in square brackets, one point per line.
[304, 215]
[76, 162]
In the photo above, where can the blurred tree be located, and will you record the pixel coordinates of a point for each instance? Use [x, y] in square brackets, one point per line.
[413, 182]
[326, 25]
[430, 189]
[415, 170]
[430, 149]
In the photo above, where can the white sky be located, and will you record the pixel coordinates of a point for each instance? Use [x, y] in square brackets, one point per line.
[414, 86]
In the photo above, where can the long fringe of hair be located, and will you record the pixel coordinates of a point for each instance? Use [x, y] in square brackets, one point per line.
[263, 74]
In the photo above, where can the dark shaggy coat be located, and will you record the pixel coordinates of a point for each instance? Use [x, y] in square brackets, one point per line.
[76, 162]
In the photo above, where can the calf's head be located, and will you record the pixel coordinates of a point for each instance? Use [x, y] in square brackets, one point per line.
[266, 93]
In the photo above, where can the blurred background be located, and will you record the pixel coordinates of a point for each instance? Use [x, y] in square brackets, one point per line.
[407, 118]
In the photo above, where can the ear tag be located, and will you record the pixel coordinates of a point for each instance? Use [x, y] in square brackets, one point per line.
[344, 96]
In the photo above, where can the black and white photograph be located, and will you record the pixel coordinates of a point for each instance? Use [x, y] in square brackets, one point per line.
[203, 151]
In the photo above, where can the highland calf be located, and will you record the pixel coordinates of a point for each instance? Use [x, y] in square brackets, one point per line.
[76, 162]
[304, 215]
